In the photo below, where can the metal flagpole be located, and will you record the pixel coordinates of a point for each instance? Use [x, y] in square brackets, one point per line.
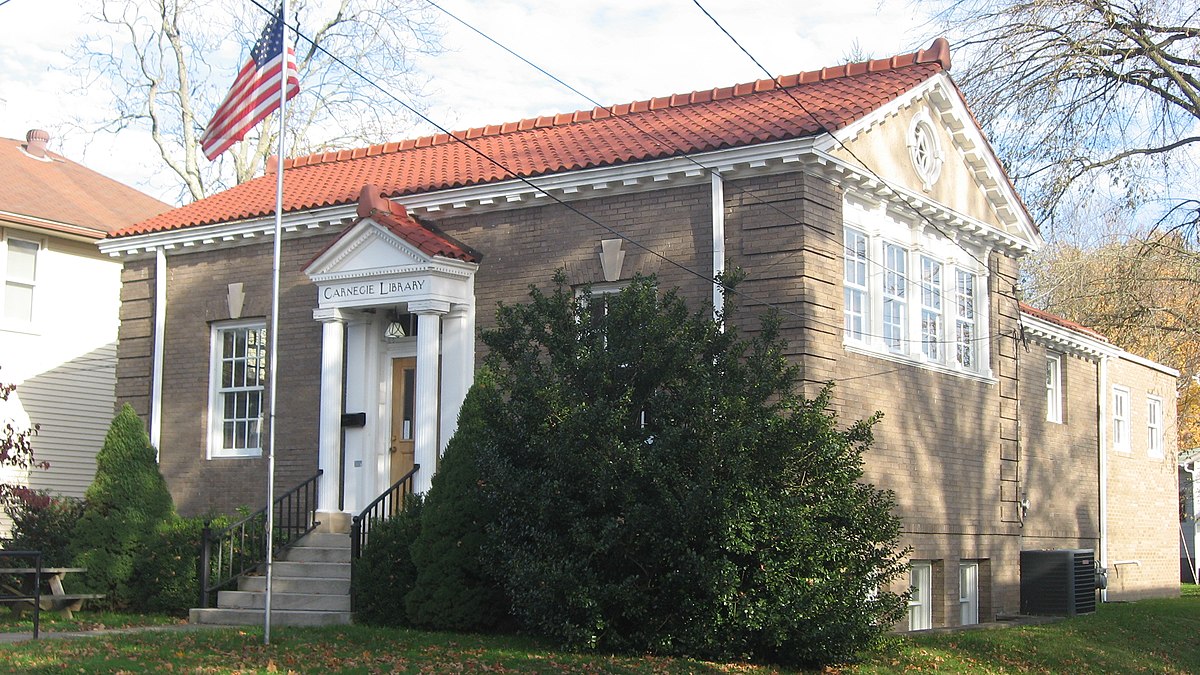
[273, 360]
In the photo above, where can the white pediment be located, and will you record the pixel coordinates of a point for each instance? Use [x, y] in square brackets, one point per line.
[367, 249]
[956, 170]
[370, 266]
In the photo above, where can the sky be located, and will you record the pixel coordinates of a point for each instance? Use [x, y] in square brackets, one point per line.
[615, 51]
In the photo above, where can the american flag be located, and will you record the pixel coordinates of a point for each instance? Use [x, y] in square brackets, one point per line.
[255, 92]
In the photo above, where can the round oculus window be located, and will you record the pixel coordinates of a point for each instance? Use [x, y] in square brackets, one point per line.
[924, 151]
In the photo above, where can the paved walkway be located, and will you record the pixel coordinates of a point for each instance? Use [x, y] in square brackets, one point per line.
[9, 638]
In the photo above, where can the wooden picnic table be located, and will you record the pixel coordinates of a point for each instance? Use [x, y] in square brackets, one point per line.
[57, 599]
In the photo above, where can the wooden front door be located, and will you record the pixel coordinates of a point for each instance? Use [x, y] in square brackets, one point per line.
[404, 385]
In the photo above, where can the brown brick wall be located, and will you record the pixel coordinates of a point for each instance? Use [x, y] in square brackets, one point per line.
[1143, 493]
[950, 447]
[1060, 468]
[196, 298]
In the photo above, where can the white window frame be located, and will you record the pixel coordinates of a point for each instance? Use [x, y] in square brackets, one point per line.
[27, 283]
[217, 392]
[874, 241]
[1054, 389]
[1120, 419]
[968, 593]
[856, 281]
[925, 150]
[966, 334]
[1154, 427]
[893, 317]
[920, 603]
[932, 309]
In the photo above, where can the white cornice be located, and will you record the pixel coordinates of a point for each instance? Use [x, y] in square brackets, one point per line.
[511, 194]
[812, 152]
[1066, 339]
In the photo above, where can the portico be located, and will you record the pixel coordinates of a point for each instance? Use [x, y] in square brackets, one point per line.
[397, 306]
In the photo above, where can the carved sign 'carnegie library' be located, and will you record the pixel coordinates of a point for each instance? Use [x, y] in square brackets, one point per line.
[372, 289]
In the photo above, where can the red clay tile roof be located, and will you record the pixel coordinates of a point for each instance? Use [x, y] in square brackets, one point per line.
[62, 191]
[374, 204]
[1059, 321]
[745, 114]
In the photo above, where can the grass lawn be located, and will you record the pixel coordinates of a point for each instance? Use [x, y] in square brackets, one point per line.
[53, 622]
[1153, 636]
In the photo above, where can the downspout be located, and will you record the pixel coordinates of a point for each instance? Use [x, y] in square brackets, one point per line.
[160, 324]
[718, 247]
[1102, 400]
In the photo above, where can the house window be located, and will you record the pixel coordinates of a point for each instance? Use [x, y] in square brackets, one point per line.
[1054, 388]
[895, 303]
[855, 284]
[20, 275]
[931, 308]
[1154, 426]
[924, 150]
[239, 371]
[920, 600]
[968, 593]
[1120, 419]
[910, 302]
[965, 337]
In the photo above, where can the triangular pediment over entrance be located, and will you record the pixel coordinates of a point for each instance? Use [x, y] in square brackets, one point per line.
[387, 258]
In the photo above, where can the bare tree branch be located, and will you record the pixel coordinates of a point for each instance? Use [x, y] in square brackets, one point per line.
[168, 64]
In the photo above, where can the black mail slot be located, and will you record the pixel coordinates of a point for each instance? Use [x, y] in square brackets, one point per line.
[351, 420]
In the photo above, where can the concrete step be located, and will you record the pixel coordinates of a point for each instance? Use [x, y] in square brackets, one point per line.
[254, 617]
[326, 540]
[317, 554]
[283, 601]
[315, 585]
[322, 570]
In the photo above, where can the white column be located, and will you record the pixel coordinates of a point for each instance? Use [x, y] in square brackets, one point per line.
[329, 448]
[359, 378]
[425, 445]
[456, 378]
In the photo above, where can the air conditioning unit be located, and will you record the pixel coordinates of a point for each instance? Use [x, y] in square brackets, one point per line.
[1058, 583]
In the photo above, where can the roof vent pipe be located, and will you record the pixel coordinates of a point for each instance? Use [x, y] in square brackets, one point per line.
[35, 142]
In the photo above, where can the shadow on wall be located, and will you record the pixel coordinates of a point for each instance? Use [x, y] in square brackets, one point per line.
[74, 406]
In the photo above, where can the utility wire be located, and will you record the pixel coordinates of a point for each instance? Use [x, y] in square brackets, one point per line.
[849, 151]
[669, 144]
[491, 160]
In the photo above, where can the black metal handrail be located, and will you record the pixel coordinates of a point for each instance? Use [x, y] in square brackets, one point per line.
[383, 507]
[241, 547]
[16, 594]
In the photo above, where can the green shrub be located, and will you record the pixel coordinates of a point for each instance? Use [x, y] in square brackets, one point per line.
[456, 589]
[124, 507]
[166, 578]
[44, 522]
[385, 573]
[657, 486]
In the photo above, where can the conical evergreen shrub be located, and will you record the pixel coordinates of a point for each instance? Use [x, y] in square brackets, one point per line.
[124, 506]
[456, 589]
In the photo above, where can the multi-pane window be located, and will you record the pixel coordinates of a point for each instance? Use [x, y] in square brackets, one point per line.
[855, 282]
[1154, 427]
[1054, 388]
[238, 377]
[931, 308]
[895, 302]
[20, 275]
[911, 303]
[1120, 419]
[964, 323]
